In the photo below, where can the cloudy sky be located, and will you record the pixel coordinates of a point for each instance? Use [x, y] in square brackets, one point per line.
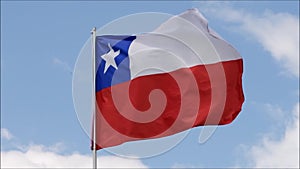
[40, 43]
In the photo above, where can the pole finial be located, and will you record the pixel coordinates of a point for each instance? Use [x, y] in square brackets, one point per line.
[93, 30]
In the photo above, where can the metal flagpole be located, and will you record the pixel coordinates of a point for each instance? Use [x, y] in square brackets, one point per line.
[93, 97]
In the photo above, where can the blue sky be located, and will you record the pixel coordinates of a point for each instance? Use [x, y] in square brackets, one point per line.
[40, 42]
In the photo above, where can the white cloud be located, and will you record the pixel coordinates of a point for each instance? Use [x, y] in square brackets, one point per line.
[117, 162]
[280, 153]
[278, 33]
[5, 134]
[275, 112]
[62, 64]
[40, 156]
[179, 165]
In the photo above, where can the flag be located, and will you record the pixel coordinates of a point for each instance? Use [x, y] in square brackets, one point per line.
[151, 85]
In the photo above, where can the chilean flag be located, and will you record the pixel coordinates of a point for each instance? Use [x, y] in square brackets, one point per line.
[151, 85]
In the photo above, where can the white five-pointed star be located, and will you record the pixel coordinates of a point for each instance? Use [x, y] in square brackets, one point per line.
[110, 58]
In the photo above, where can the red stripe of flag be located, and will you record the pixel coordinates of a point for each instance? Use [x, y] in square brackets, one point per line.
[113, 128]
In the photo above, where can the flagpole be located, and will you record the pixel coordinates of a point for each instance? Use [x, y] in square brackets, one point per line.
[93, 97]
